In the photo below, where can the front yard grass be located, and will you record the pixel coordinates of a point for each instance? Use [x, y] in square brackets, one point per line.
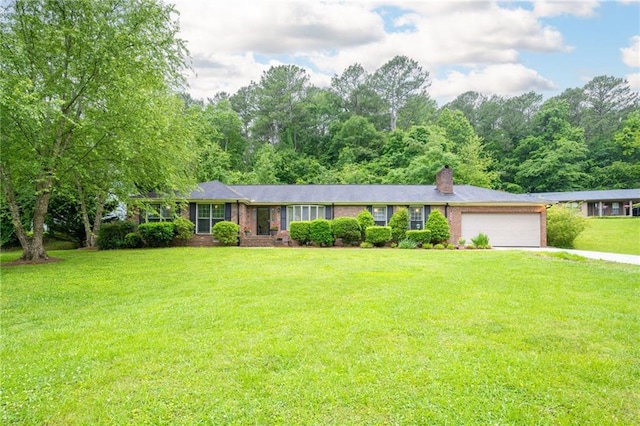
[611, 235]
[319, 336]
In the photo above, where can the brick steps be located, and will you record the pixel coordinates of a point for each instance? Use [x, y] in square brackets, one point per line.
[250, 241]
[262, 241]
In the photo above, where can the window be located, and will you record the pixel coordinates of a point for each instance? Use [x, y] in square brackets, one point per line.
[416, 218]
[615, 209]
[158, 213]
[415, 214]
[207, 216]
[304, 213]
[380, 215]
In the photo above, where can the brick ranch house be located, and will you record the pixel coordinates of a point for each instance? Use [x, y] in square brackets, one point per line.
[612, 202]
[265, 211]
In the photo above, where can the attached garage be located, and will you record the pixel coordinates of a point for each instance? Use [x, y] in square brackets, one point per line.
[503, 229]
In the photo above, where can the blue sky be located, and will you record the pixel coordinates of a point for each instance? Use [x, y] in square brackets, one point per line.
[493, 47]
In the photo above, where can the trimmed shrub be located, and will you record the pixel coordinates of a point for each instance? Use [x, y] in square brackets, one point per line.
[564, 224]
[157, 234]
[111, 235]
[427, 246]
[407, 244]
[421, 236]
[378, 235]
[183, 229]
[481, 241]
[451, 246]
[365, 219]
[439, 247]
[399, 224]
[365, 244]
[320, 232]
[300, 232]
[347, 229]
[132, 240]
[226, 232]
[439, 227]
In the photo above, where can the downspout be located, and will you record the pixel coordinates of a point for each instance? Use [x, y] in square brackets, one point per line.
[446, 211]
[333, 210]
[238, 219]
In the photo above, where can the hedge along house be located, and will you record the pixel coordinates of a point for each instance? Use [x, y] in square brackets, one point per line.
[605, 203]
[264, 212]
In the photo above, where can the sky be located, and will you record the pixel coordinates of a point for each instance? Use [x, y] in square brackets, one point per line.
[493, 47]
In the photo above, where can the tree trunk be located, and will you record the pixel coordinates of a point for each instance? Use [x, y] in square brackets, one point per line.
[32, 248]
[91, 232]
[35, 249]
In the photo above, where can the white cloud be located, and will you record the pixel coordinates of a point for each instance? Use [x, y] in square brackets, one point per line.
[581, 8]
[502, 79]
[631, 54]
[232, 43]
[634, 81]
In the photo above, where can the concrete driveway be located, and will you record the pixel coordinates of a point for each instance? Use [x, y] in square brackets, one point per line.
[611, 257]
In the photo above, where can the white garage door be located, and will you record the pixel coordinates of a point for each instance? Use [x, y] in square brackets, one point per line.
[503, 229]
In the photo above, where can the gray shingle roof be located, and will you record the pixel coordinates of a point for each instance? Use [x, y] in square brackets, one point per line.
[606, 195]
[357, 194]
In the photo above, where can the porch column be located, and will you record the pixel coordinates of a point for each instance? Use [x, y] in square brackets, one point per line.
[600, 208]
[630, 207]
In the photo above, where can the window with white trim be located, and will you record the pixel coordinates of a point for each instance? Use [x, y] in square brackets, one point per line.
[379, 215]
[158, 213]
[208, 215]
[300, 213]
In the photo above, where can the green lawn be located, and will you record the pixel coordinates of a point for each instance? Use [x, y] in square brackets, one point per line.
[617, 235]
[319, 336]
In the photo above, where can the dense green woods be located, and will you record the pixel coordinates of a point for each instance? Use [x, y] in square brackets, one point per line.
[94, 110]
[384, 128]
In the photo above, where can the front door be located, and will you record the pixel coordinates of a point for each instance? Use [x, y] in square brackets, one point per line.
[263, 220]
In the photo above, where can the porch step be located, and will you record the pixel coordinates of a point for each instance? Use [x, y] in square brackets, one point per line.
[262, 241]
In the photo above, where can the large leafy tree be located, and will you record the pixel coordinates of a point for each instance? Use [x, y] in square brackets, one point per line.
[397, 81]
[608, 100]
[280, 96]
[356, 94]
[86, 104]
[553, 157]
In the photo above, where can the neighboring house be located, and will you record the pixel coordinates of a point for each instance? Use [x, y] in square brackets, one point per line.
[613, 202]
[508, 219]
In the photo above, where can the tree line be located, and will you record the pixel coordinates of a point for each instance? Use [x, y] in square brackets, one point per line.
[94, 110]
[385, 128]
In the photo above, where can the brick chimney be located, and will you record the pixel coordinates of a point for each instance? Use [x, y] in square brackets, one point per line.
[444, 180]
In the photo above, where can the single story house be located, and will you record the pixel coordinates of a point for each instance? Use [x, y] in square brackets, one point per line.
[613, 202]
[265, 212]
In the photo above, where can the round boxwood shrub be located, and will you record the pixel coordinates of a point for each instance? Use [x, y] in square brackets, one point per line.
[420, 236]
[399, 224]
[183, 229]
[320, 232]
[157, 234]
[378, 235]
[132, 240]
[347, 229]
[226, 232]
[439, 227]
[111, 234]
[300, 232]
[365, 219]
